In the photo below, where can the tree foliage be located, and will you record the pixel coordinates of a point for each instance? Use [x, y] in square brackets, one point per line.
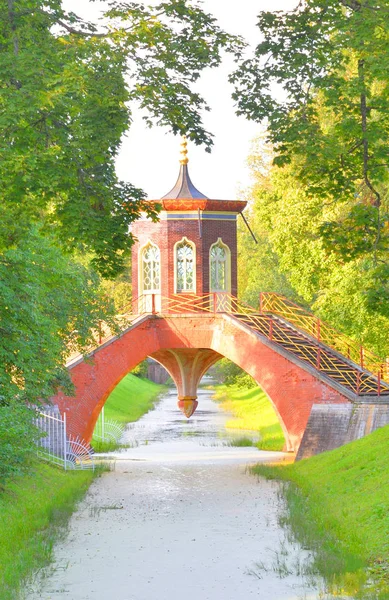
[319, 80]
[287, 221]
[331, 59]
[49, 306]
[17, 435]
[229, 373]
[65, 102]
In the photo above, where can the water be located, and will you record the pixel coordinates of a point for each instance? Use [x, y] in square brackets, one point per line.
[179, 517]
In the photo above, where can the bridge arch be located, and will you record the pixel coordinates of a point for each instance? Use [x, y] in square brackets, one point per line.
[291, 387]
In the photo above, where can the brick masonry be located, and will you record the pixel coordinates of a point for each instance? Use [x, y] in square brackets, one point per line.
[167, 233]
[292, 389]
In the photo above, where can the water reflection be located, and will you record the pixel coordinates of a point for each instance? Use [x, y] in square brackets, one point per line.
[166, 424]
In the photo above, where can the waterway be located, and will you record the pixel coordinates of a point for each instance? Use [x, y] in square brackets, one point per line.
[179, 517]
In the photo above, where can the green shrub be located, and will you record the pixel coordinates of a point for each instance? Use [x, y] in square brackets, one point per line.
[228, 373]
[141, 369]
[17, 436]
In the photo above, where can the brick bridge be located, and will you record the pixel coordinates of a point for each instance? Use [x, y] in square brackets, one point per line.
[325, 389]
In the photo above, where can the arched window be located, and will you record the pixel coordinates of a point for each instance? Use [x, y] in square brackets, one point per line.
[150, 261]
[219, 259]
[185, 266]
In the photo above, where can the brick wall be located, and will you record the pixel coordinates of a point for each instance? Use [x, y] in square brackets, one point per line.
[166, 234]
[292, 389]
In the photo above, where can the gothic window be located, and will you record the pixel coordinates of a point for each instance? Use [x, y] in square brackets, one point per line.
[151, 268]
[219, 267]
[185, 266]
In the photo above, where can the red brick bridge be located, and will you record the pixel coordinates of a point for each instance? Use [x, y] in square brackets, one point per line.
[325, 389]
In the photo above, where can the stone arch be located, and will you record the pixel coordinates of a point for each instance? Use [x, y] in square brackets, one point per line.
[291, 387]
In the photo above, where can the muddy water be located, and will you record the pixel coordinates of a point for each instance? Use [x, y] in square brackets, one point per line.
[178, 518]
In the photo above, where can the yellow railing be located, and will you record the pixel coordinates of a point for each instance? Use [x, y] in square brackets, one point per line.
[322, 332]
[308, 348]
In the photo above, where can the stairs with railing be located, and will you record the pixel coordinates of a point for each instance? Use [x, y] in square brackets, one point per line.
[325, 360]
[301, 333]
[284, 323]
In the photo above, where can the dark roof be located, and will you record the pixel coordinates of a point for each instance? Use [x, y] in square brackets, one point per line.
[184, 187]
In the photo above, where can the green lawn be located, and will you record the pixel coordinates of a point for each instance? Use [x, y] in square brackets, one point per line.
[33, 508]
[132, 398]
[252, 411]
[339, 505]
[128, 402]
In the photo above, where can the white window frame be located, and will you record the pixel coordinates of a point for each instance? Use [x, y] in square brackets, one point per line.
[221, 244]
[184, 240]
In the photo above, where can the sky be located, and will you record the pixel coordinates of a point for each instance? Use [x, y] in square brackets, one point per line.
[149, 158]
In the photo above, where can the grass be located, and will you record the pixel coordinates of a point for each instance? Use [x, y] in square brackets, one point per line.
[130, 400]
[242, 442]
[338, 505]
[252, 411]
[33, 509]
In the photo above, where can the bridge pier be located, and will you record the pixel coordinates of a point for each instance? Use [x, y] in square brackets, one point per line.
[186, 366]
[332, 425]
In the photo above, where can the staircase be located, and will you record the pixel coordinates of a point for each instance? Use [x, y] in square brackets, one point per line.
[294, 329]
[324, 358]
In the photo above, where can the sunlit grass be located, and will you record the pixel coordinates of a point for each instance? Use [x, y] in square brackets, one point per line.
[242, 442]
[132, 398]
[253, 412]
[339, 506]
[129, 401]
[33, 508]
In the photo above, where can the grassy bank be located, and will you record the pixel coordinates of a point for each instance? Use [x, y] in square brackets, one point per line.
[33, 508]
[338, 505]
[252, 411]
[132, 398]
[128, 402]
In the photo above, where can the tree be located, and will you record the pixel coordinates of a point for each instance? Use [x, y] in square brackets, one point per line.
[65, 101]
[331, 58]
[259, 264]
[290, 220]
[49, 307]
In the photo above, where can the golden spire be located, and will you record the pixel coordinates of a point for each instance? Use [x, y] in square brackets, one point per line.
[184, 151]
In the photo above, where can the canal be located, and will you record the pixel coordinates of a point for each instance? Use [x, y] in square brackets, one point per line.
[179, 517]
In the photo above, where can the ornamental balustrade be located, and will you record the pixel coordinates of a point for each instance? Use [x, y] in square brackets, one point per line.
[281, 322]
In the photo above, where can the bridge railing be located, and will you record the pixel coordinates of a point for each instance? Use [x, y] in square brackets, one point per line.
[271, 305]
[58, 446]
[304, 320]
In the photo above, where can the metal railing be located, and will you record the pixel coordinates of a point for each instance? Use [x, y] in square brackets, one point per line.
[108, 430]
[57, 446]
[322, 358]
[282, 322]
[304, 320]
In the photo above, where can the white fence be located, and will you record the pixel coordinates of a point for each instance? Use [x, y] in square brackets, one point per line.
[57, 446]
[108, 430]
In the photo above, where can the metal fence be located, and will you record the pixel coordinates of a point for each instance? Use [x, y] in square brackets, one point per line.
[59, 447]
[108, 430]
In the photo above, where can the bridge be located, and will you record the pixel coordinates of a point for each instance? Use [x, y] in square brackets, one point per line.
[325, 388]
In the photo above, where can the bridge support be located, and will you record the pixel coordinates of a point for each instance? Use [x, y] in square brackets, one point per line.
[186, 366]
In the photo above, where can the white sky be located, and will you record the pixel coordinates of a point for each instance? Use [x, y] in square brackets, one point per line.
[149, 157]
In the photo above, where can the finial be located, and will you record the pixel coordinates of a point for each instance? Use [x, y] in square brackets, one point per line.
[184, 151]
